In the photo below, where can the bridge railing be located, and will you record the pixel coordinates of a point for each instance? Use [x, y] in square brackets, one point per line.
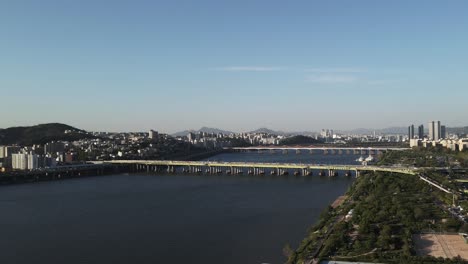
[404, 170]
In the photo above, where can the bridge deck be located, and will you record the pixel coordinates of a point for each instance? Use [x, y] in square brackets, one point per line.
[314, 148]
[404, 170]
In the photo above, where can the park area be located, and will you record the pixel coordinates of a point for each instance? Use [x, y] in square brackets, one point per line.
[441, 245]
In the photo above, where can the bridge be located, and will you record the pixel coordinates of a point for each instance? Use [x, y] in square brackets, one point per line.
[318, 149]
[254, 168]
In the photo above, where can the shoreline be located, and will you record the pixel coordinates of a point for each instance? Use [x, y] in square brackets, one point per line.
[339, 201]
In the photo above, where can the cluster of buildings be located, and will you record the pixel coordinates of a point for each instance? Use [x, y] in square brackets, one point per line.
[97, 146]
[329, 136]
[220, 140]
[436, 137]
[153, 145]
[327, 133]
[436, 131]
[34, 157]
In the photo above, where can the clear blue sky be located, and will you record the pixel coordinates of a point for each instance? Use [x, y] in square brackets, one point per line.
[237, 65]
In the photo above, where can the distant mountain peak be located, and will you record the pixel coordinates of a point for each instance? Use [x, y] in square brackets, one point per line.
[213, 130]
[266, 130]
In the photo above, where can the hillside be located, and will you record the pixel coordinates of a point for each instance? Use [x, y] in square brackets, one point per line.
[40, 134]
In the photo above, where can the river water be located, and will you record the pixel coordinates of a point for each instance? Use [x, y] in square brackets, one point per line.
[142, 218]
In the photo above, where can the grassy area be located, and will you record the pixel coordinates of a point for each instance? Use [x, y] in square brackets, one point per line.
[426, 157]
[453, 179]
[388, 209]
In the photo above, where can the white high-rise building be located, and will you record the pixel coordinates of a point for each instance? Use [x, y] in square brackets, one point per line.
[23, 161]
[19, 161]
[434, 130]
[33, 161]
[2, 152]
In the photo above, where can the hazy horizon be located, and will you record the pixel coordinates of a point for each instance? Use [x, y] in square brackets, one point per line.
[238, 66]
[237, 131]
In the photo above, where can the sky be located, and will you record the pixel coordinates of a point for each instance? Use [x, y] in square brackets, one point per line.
[236, 65]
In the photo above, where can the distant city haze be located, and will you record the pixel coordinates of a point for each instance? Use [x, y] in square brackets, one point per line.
[237, 66]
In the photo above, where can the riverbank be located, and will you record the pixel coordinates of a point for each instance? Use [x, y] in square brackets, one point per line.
[376, 222]
[339, 201]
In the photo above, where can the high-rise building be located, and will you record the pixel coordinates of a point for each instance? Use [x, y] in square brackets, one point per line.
[54, 147]
[2, 152]
[411, 132]
[191, 136]
[434, 130]
[23, 161]
[19, 161]
[443, 132]
[33, 161]
[153, 134]
[9, 150]
[431, 130]
[421, 132]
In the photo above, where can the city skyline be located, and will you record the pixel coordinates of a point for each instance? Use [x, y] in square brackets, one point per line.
[172, 66]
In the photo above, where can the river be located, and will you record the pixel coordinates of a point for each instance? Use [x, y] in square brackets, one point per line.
[143, 218]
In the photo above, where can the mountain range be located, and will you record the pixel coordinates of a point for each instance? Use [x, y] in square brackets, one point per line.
[43, 133]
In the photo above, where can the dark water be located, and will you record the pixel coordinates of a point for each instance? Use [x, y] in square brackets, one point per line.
[163, 218]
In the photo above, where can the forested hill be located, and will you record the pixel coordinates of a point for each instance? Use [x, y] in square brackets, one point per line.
[40, 134]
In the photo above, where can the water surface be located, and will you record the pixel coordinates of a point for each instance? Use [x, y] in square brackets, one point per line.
[142, 218]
